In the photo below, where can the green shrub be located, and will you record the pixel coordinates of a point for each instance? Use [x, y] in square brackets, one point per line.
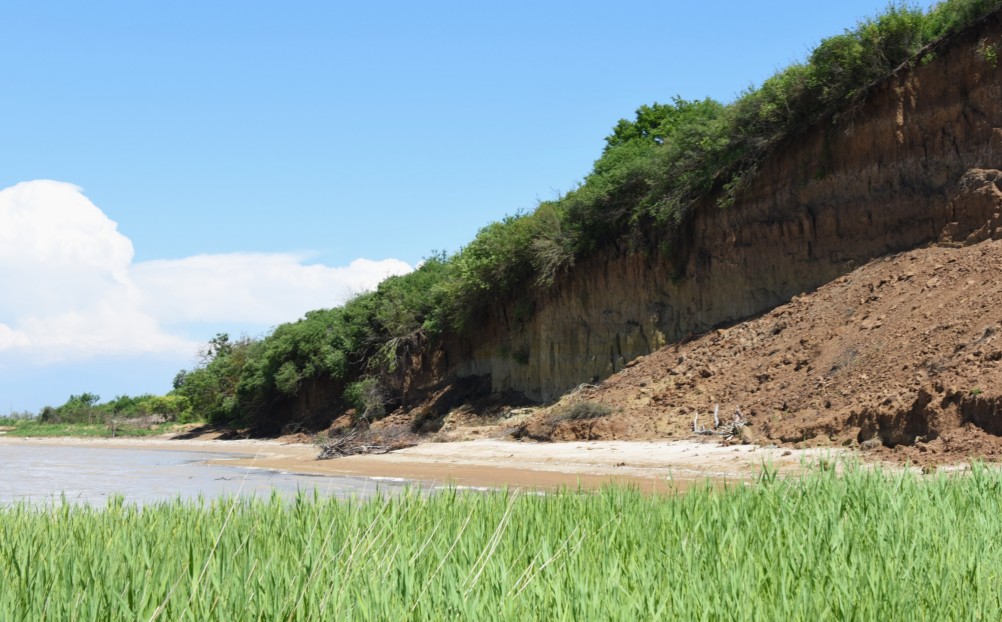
[368, 398]
[171, 407]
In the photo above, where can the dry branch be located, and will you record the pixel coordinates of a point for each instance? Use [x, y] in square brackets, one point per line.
[728, 431]
[352, 444]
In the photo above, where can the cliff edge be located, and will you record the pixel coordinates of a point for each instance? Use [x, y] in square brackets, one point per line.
[917, 161]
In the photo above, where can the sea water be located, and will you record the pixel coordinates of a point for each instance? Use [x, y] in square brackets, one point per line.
[50, 473]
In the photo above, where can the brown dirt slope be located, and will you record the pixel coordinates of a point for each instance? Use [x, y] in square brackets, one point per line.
[903, 356]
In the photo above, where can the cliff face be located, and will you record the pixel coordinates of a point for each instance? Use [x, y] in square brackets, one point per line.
[917, 162]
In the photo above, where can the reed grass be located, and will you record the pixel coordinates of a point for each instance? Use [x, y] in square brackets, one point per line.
[860, 545]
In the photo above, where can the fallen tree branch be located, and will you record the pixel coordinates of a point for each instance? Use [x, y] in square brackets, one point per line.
[351, 445]
[728, 431]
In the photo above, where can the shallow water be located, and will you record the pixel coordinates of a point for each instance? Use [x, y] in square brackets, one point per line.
[91, 475]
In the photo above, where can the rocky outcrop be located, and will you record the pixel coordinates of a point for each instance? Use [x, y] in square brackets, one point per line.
[919, 161]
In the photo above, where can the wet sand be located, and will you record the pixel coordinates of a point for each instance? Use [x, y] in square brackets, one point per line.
[650, 466]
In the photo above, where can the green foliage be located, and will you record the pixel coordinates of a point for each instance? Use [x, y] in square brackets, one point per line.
[82, 412]
[865, 545]
[368, 397]
[242, 382]
[844, 65]
[81, 408]
[211, 389]
[287, 378]
[105, 429]
[125, 405]
[948, 17]
[490, 267]
[170, 407]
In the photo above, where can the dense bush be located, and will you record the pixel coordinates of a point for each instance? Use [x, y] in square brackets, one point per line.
[242, 382]
[368, 397]
[88, 408]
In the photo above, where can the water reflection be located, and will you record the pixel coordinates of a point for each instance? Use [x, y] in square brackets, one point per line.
[93, 474]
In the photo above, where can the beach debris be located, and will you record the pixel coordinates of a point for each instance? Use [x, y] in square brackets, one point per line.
[355, 444]
[728, 431]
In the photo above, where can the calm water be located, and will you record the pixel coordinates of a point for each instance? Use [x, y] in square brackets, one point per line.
[93, 474]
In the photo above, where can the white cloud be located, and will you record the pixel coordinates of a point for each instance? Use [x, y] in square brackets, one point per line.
[252, 287]
[71, 290]
[11, 338]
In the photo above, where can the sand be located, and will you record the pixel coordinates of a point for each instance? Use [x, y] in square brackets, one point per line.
[651, 466]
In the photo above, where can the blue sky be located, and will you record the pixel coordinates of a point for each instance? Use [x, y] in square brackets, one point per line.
[250, 152]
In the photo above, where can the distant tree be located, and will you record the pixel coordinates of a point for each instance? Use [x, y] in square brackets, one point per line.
[179, 379]
[220, 345]
[79, 408]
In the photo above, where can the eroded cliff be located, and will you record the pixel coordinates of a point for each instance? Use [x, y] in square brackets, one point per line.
[916, 162]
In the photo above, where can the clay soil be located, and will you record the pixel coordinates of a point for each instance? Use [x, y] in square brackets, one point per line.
[901, 358]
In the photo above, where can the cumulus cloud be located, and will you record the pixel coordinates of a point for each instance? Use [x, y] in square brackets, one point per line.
[252, 287]
[72, 290]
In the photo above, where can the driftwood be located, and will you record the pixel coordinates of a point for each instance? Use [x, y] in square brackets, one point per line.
[348, 445]
[352, 444]
[727, 430]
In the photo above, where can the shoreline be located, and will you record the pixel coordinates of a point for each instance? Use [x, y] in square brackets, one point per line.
[652, 466]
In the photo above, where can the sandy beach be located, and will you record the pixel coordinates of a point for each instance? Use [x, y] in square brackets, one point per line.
[651, 466]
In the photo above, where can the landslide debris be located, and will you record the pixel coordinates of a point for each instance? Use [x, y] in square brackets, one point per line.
[902, 357]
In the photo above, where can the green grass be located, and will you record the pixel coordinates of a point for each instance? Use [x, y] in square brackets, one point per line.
[35, 428]
[861, 546]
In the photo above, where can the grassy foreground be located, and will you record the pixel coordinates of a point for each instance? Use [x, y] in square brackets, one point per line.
[863, 546]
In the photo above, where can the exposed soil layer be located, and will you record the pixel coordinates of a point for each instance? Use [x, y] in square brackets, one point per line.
[916, 161]
[901, 357]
